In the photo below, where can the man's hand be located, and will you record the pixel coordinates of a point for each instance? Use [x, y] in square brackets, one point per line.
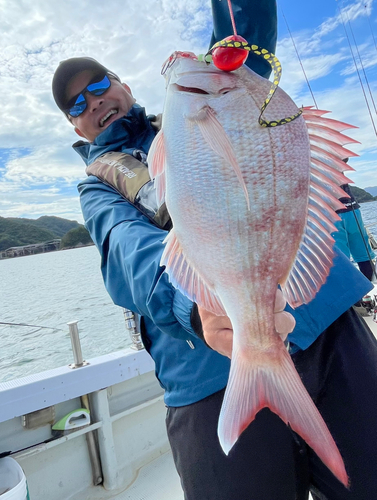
[218, 332]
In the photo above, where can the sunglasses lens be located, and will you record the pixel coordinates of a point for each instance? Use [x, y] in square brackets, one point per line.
[79, 106]
[95, 88]
[99, 88]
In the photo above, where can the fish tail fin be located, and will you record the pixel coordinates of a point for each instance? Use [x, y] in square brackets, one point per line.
[256, 383]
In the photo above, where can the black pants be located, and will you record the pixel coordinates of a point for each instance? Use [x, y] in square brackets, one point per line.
[269, 461]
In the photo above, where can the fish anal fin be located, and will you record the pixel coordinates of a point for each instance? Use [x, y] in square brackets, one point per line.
[215, 136]
[255, 383]
[186, 279]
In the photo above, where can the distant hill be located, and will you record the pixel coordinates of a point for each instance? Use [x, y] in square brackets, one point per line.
[361, 195]
[16, 232]
[76, 237]
[371, 190]
[56, 225]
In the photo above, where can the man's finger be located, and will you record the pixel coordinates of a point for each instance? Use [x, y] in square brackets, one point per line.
[284, 323]
[280, 301]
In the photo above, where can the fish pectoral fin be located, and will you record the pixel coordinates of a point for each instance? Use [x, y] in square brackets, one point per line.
[186, 279]
[255, 383]
[215, 136]
[157, 164]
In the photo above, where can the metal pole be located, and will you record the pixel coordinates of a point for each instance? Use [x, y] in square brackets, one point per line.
[90, 437]
[76, 345]
[92, 447]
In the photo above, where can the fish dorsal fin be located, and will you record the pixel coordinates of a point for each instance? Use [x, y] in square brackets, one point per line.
[316, 119]
[184, 277]
[315, 254]
[156, 165]
[215, 136]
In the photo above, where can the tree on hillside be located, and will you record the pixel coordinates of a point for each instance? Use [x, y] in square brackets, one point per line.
[57, 225]
[14, 233]
[361, 195]
[75, 238]
[7, 242]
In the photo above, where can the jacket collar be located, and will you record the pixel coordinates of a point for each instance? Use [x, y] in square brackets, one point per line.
[133, 131]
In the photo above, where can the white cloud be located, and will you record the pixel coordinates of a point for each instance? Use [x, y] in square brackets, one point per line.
[44, 165]
[134, 39]
[35, 203]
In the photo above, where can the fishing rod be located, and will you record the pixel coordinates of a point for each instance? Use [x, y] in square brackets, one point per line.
[361, 83]
[361, 63]
[370, 26]
[357, 70]
[365, 244]
[33, 326]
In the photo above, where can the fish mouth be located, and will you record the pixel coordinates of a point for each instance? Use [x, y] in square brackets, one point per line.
[191, 90]
[197, 90]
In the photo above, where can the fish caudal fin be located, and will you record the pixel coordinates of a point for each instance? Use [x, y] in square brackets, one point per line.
[256, 383]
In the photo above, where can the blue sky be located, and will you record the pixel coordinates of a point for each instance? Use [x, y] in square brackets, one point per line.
[38, 169]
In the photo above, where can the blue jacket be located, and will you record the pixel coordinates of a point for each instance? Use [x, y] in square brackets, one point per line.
[131, 247]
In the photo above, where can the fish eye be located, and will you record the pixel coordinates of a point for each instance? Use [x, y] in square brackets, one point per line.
[225, 90]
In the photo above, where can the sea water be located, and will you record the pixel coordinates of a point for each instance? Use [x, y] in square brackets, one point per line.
[49, 290]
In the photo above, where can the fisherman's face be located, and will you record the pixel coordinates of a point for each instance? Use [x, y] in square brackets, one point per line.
[101, 110]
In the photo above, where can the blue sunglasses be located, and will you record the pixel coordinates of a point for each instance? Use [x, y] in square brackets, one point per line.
[95, 88]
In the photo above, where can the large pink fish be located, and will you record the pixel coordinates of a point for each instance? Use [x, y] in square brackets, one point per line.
[252, 207]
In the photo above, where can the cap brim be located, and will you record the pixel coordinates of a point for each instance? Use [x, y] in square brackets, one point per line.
[66, 71]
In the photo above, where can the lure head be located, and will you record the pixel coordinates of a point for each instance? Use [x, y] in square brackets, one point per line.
[230, 58]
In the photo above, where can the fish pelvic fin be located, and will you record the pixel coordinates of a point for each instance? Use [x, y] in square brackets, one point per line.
[157, 164]
[184, 277]
[215, 136]
[315, 255]
[255, 383]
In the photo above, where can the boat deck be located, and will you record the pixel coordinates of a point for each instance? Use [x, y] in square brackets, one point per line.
[155, 481]
[126, 438]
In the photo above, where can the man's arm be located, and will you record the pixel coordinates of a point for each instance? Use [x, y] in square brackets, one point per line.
[131, 248]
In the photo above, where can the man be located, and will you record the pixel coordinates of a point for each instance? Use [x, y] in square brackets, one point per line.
[269, 461]
[351, 236]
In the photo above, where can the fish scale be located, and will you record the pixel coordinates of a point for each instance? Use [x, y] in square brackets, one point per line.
[252, 207]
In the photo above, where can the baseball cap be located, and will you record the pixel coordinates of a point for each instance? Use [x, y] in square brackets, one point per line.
[67, 70]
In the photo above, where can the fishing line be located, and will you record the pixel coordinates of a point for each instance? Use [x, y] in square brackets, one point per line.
[357, 71]
[232, 17]
[33, 326]
[299, 58]
[361, 62]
